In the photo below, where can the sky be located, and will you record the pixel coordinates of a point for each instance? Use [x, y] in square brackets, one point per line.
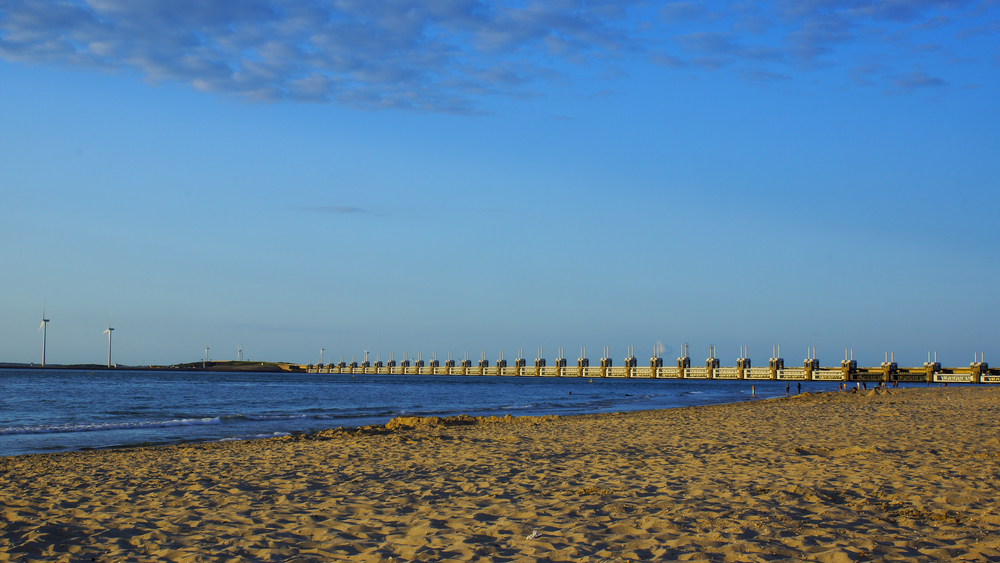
[467, 175]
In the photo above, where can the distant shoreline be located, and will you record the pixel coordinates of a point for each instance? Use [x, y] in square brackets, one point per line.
[255, 367]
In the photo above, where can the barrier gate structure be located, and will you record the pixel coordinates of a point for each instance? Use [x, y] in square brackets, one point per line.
[888, 372]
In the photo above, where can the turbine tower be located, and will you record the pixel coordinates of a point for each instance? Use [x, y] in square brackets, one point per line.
[44, 327]
[109, 331]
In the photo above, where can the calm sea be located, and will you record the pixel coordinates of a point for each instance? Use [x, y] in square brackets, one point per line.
[61, 410]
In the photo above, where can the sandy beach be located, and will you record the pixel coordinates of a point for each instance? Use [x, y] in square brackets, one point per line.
[908, 475]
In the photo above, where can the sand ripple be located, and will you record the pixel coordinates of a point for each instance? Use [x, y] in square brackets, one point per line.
[909, 475]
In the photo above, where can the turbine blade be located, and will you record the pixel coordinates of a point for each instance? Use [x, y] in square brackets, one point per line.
[40, 326]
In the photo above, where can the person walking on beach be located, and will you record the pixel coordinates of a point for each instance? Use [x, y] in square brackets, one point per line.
[787, 389]
[753, 391]
[799, 392]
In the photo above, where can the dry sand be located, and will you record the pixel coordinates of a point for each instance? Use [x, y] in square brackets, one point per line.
[906, 476]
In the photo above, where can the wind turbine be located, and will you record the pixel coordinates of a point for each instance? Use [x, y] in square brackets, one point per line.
[109, 331]
[44, 327]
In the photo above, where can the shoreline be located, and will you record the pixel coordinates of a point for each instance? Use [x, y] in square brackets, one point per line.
[457, 414]
[222, 367]
[404, 423]
[908, 475]
[226, 411]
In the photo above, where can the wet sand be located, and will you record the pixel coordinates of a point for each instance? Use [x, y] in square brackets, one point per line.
[910, 475]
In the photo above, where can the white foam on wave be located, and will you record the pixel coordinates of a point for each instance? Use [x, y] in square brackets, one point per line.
[518, 407]
[97, 427]
[256, 437]
[266, 417]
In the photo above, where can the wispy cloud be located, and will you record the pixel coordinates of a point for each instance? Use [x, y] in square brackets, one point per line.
[336, 209]
[761, 75]
[398, 53]
[686, 11]
[447, 55]
[917, 79]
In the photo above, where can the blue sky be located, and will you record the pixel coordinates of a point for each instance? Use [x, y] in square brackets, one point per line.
[464, 175]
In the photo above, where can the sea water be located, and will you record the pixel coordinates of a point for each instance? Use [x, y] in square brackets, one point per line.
[44, 411]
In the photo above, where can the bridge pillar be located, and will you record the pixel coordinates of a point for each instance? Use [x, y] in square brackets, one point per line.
[742, 365]
[849, 367]
[630, 362]
[892, 371]
[711, 363]
[581, 363]
[605, 364]
[811, 364]
[539, 363]
[889, 368]
[655, 363]
[929, 369]
[978, 369]
[683, 363]
[775, 364]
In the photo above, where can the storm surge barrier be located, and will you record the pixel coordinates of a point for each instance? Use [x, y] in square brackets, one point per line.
[848, 370]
